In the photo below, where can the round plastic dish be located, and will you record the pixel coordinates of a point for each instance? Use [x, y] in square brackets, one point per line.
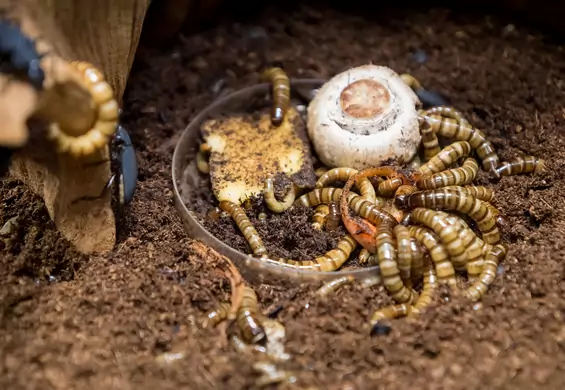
[185, 176]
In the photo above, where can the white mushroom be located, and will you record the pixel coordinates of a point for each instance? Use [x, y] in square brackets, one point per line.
[364, 117]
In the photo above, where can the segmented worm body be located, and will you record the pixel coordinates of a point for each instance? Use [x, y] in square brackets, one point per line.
[450, 128]
[518, 165]
[404, 250]
[457, 201]
[271, 201]
[215, 317]
[333, 218]
[328, 262]
[448, 234]
[245, 226]
[488, 274]
[446, 158]
[319, 217]
[343, 174]
[405, 309]
[446, 112]
[333, 285]
[451, 177]
[248, 318]
[437, 252]
[106, 116]
[430, 141]
[280, 91]
[483, 193]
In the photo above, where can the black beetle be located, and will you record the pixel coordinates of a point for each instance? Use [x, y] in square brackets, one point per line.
[19, 56]
[5, 160]
[123, 164]
[431, 98]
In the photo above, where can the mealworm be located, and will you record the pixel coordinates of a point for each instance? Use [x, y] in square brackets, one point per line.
[446, 112]
[447, 233]
[333, 218]
[451, 177]
[449, 128]
[403, 191]
[445, 158]
[247, 318]
[106, 116]
[386, 256]
[518, 165]
[271, 201]
[202, 164]
[329, 262]
[214, 317]
[490, 266]
[319, 217]
[389, 186]
[411, 81]
[430, 141]
[405, 309]
[404, 253]
[451, 200]
[245, 226]
[417, 266]
[473, 246]
[343, 174]
[280, 93]
[333, 285]
[437, 252]
[479, 192]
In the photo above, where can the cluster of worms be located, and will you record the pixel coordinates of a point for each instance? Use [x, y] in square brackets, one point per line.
[420, 225]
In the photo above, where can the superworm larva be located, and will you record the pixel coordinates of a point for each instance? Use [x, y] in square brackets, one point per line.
[328, 262]
[417, 267]
[319, 217]
[365, 257]
[275, 205]
[333, 285]
[449, 128]
[247, 318]
[404, 253]
[437, 252]
[411, 81]
[430, 142]
[343, 174]
[452, 200]
[202, 164]
[214, 317]
[447, 233]
[245, 226]
[518, 165]
[446, 112]
[280, 91]
[490, 265]
[479, 192]
[446, 157]
[451, 177]
[403, 191]
[406, 309]
[386, 256]
[473, 246]
[106, 116]
[333, 218]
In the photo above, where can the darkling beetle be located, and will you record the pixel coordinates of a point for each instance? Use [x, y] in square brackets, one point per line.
[123, 165]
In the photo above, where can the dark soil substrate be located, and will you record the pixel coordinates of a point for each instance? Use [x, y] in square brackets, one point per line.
[72, 321]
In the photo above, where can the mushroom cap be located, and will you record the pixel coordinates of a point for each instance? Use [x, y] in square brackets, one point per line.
[364, 117]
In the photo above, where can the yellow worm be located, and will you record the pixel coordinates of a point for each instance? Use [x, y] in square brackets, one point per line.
[518, 165]
[272, 203]
[450, 128]
[446, 157]
[106, 121]
[245, 226]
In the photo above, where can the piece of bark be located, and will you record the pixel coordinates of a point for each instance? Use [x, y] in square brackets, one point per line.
[106, 34]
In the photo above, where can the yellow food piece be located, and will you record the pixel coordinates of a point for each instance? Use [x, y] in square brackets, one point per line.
[247, 149]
